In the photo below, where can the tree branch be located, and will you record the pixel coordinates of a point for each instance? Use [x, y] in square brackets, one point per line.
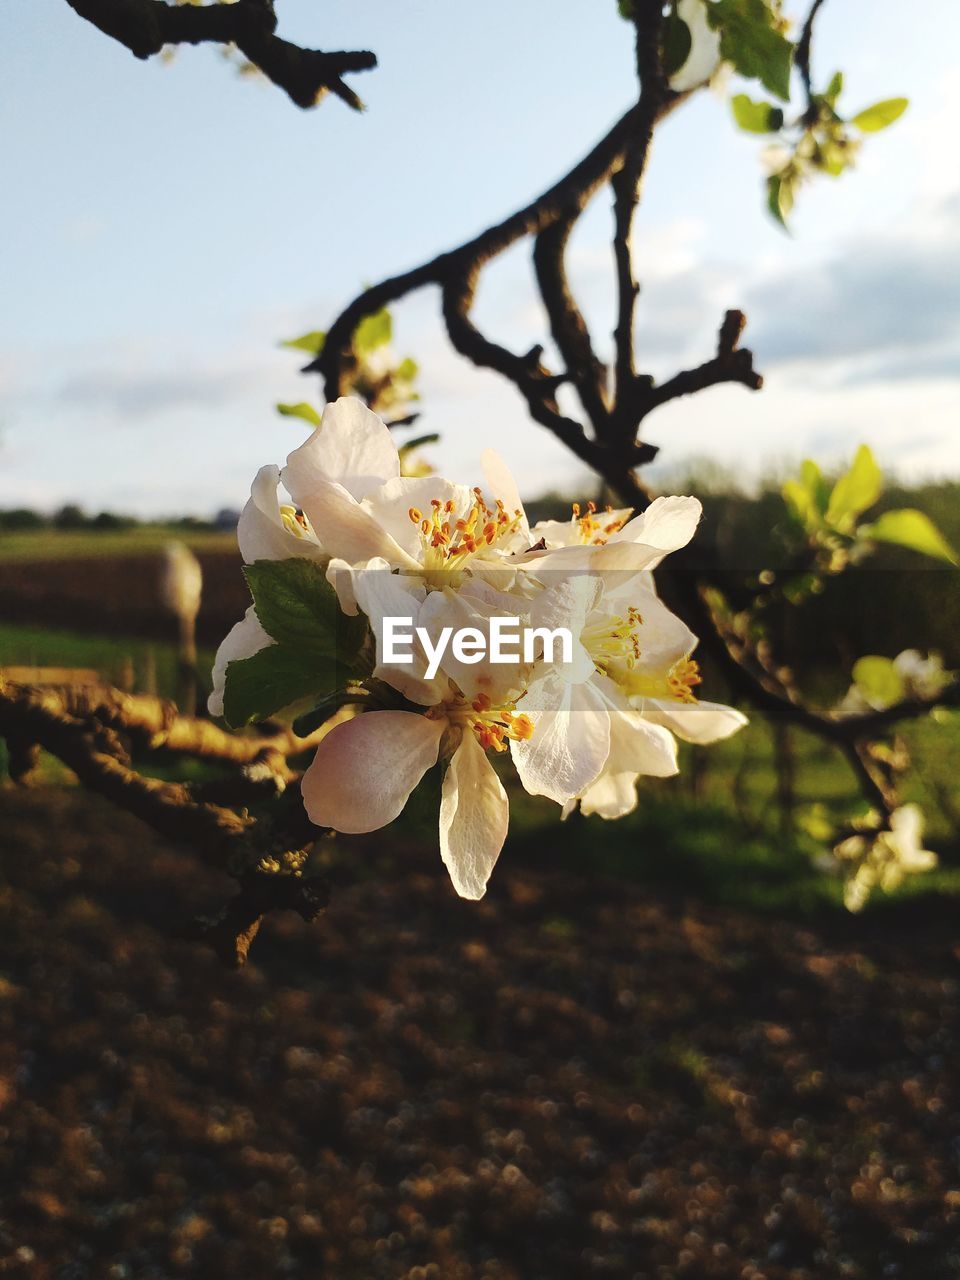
[654, 90]
[567, 325]
[266, 858]
[802, 54]
[732, 363]
[155, 724]
[305, 75]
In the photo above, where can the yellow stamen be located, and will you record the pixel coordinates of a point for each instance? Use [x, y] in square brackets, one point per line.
[295, 522]
[493, 726]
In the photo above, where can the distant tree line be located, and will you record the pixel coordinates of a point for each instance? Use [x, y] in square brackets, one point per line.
[72, 517]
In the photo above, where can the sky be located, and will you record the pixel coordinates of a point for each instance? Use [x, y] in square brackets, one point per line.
[164, 226]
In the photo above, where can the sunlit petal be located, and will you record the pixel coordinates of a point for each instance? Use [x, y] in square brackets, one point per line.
[570, 742]
[351, 447]
[365, 769]
[700, 722]
[474, 814]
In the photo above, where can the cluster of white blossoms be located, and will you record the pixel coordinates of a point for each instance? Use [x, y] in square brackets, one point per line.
[580, 730]
[883, 858]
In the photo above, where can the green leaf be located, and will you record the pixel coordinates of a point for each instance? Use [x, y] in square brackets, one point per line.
[677, 43]
[913, 529]
[856, 490]
[372, 332]
[301, 410]
[808, 495]
[431, 437]
[756, 117]
[274, 678]
[625, 9]
[780, 197]
[298, 607]
[311, 342]
[813, 478]
[879, 679]
[407, 369]
[880, 115]
[750, 38]
[834, 88]
[801, 503]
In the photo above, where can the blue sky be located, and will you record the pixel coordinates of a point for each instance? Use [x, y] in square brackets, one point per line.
[163, 226]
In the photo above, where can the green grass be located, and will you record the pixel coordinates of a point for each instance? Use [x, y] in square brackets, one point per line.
[56, 544]
[109, 655]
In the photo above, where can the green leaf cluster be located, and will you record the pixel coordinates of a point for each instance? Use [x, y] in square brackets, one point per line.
[823, 142]
[830, 515]
[386, 387]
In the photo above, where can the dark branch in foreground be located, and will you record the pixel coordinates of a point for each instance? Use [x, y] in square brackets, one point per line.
[305, 75]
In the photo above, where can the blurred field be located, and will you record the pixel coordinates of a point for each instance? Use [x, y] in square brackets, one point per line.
[63, 544]
[108, 583]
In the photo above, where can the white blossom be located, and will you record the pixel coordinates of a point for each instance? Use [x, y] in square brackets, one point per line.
[885, 858]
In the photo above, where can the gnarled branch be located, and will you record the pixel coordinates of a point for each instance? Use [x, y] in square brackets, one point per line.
[266, 858]
[305, 75]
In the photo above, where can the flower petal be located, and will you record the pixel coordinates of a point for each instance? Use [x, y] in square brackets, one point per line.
[666, 525]
[365, 769]
[906, 824]
[351, 447]
[261, 532]
[474, 814]
[347, 529]
[636, 745]
[474, 605]
[571, 738]
[243, 640]
[382, 594]
[569, 533]
[699, 722]
[613, 795]
[501, 484]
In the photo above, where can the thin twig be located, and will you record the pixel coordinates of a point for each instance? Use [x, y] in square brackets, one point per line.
[802, 54]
